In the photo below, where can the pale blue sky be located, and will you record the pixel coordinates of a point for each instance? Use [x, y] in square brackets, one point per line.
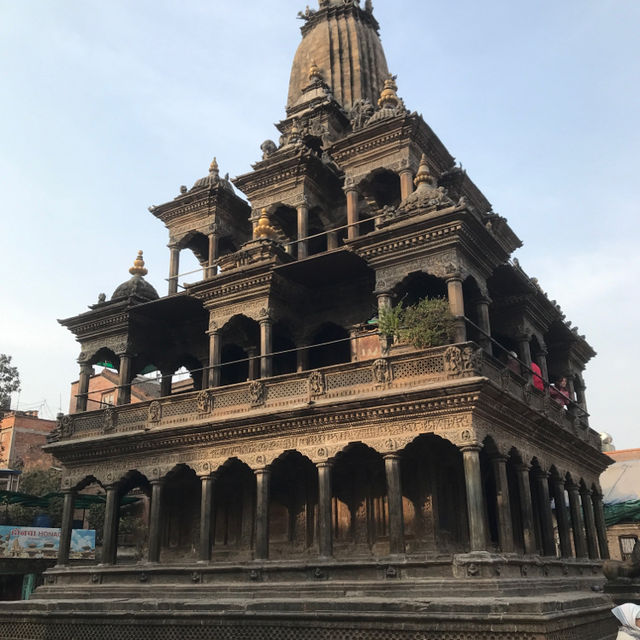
[108, 107]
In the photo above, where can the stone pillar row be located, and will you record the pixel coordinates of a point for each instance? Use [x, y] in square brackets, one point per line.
[584, 519]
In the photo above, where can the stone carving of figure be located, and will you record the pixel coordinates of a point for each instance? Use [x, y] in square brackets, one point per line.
[361, 111]
[268, 148]
[102, 297]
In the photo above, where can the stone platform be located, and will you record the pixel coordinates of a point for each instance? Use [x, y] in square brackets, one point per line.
[484, 598]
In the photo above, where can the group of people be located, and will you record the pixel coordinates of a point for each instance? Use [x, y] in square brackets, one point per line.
[559, 391]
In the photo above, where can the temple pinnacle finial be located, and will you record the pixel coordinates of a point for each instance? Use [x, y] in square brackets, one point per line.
[314, 72]
[213, 167]
[388, 96]
[423, 174]
[138, 268]
[264, 230]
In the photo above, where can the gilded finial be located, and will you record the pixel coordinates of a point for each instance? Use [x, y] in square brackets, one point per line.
[314, 72]
[138, 266]
[264, 230]
[213, 167]
[423, 174]
[388, 96]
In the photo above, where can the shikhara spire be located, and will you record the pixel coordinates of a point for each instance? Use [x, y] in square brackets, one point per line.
[341, 41]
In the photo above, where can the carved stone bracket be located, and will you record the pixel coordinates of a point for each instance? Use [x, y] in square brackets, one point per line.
[204, 401]
[382, 372]
[155, 412]
[317, 384]
[257, 393]
[109, 420]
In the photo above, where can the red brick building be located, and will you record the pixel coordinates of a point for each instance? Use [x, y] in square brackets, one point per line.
[22, 434]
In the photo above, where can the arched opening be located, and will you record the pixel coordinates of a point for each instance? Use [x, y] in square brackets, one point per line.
[292, 505]
[472, 295]
[417, 286]
[240, 351]
[514, 462]
[188, 374]
[134, 493]
[317, 244]
[103, 392]
[381, 188]
[537, 503]
[434, 507]
[285, 360]
[360, 511]
[234, 504]
[489, 485]
[181, 515]
[330, 346]
[285, 220]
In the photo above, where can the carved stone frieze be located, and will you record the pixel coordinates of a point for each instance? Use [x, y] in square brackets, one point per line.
[118, 344]
[435, 265]
[384, 436]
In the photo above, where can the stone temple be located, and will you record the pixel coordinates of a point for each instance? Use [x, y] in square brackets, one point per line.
[319, 480]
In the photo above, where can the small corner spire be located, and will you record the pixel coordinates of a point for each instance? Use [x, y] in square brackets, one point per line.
[388, 96]
[138, 268]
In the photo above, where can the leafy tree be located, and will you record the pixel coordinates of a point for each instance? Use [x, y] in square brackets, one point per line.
[9, 381]
[37, 483]
[428, 323]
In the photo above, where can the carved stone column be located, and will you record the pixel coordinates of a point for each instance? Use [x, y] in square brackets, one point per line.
[332, 240]
[252, 353]
[67, 525]
[601, 527]
[352, 212]
[207, 512]
[394, 498]
[325, 524]
[541, 359]
[526, 509]
[266, 346]
[476, 510]
[562, 517]
[155, 520]
[213, 255]
[456, 306]
[303, 231]
[302, 359]
[589, 524]
[541, 479]
[165, 384]
[263, 477]
[124, 379]
[111, 522]
[406, 183]
[86, 370]
[524, 352]
[482, 309]
[579, 538]
[214, 357]
[174, 268]
[503, 504]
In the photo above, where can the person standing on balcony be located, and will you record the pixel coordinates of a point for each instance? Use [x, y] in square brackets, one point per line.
[560, 392]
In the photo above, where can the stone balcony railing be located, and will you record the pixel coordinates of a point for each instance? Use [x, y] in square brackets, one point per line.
[402, 372]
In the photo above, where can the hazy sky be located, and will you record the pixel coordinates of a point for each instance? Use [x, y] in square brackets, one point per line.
[108, 107]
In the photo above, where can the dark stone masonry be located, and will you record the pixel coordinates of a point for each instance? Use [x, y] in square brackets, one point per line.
[317, 479]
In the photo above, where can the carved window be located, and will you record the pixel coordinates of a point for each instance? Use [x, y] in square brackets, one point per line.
[108, 399]
[626, 546]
